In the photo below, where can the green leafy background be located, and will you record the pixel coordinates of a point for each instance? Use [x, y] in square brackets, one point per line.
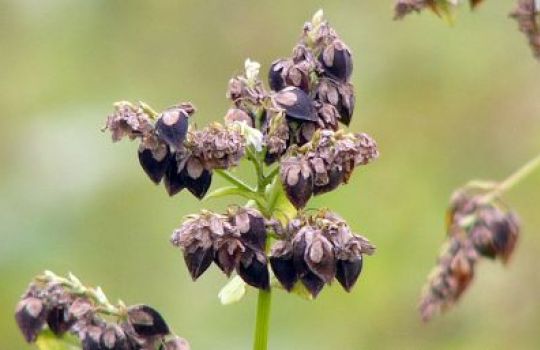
[445, 104]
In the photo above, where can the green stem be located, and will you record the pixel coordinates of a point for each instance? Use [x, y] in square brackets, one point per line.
[264, 301]
[234, 180]
[514, 179]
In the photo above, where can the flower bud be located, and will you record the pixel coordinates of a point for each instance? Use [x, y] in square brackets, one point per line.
[113, 338]
[297, 180]
[146, 321]
[30, 315]
[338, 94]
[336, 60]
[128, 120]
[172, 126]
[296, 104]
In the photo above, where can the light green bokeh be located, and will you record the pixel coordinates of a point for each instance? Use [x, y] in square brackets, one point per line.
[445, 105]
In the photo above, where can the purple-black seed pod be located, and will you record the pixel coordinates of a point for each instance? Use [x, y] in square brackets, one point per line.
[296, 104]
[146, 321]
[172, 127]
[275, 78]
[198, 261]
[154, 162]
[348, 271]
[59, 320]
[336, 60]
[253, 269]
[30, 315]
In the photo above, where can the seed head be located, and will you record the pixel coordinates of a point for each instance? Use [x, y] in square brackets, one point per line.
[128, 120]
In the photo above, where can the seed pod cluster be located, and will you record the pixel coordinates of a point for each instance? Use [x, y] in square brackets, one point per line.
[316, 250]
[311, 88]
[476, 229]
[324, 163]
[527, 14]
[64, 305]
[170, 151]
[234, 241]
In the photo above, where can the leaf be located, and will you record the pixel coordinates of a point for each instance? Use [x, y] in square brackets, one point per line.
[227, 191]
[233, 291]
[48, 341]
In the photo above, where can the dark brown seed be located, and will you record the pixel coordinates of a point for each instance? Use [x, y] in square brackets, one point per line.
[172, 127]
[253, 269]
[146, 321]
[284, 271]
[296, 104]
[275, 78]
[198, 187]
[154, 163]
[312, 283]
[175, 178]
[30, 316]
[348, 271]
[227, 256]
[297, 180]
[336, 60]
[198, 262]
[58, 320]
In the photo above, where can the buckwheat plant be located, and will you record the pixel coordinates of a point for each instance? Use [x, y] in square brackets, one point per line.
[479, 226]
[58, 313]
[292, 135]
[526, 13]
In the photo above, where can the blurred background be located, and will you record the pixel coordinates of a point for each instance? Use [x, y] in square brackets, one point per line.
[445, 104]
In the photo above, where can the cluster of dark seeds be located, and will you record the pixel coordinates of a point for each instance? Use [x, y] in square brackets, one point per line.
[405, 7]
[316, 249]
[233, 241]
[527, 14]
[63, 306]
[324, 163]
[171, 151]
[476, 229]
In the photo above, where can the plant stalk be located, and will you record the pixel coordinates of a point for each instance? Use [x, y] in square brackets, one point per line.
[514, 179]
[264, 301]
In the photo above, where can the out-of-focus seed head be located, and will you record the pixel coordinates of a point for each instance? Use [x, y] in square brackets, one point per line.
[253, 269]
[281, 261]
[296, 104]
[154, 160]
[404, 7]
[336, 60]
[338, 94]
[128, 120]
[172, 126]
[30, 315]
[297, 179]
[146, 321]
[450, 278]
[527, 14]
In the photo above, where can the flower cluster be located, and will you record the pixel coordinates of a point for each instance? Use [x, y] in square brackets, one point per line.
[65, 305]
[234, 241]
[527, 14]
[172, 151]
[324, 163]
[404, 7]
[316, 249]
[476, 228]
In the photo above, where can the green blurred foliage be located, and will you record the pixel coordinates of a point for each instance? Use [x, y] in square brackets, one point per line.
[445, 104]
